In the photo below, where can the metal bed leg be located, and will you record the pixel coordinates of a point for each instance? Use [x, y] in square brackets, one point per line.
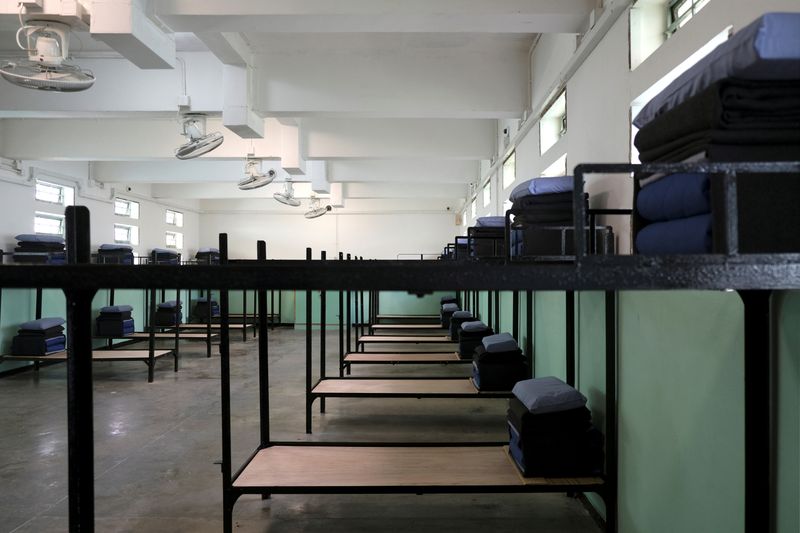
[151, 339]
[244, 315]
[80, 429]
[322, 320]
[176, 352]
[612, 450]
[341, 327]
[759, 479]
[263, 356]
[570, 340]
[529, 333]
[309, 318]
[228, 498]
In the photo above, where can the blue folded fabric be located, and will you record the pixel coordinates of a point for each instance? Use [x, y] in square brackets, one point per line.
[462, 314]
[53, 342]
[116, 309]
[475, 325]
[169, 304]
[547, 395]
[56, 348]
[537, 186]
[502, 342]
[675, 196]
[111, 247]
[690, 235]
[33, 237]
[208, 250]
[164, 251]
[449, 308]
[490, 222]
[42, 324]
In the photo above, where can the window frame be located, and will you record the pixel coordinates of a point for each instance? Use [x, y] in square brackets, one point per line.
[506, 182]
[130, 212]
[64, 198]
[176, 217]
[676, 21]
[133, 234]
[178, 240]
[50, 216]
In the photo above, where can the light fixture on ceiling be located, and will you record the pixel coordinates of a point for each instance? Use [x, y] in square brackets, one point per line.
[315, 210]
[287, 196]
[254, 178]
[46, 69]
[193, 127]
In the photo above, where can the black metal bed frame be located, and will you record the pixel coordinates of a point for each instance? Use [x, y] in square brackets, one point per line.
[754, 276]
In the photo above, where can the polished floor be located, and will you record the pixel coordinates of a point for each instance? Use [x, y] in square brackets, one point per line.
[156, 448]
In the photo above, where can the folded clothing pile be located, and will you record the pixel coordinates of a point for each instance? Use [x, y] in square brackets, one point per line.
[115, 254]
[488, 237]
[208, 256]
[446, 313]
[550, 430]
[164, 256]
[115, 320]
[40, 249]
[39, 337]
[201, 309]
[470, 335]
[169, 313]
[458, 318]
[448, 299]
[498, 363]
[739, 103]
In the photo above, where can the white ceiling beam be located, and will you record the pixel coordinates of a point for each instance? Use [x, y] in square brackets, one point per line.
[291, 157]
[398, 138]
[417, 16]
[381, 206]
[225, 190]
[337, 195]
[319, 177]
[229, 48]
[402, 190]
[124, 26]
[403, 170]
[237, 115]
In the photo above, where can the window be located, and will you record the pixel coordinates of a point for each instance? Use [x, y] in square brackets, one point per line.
[48, 223]
[53, 193]
[487, 194]
[558, 168]
[510, 170]
[126, 234]
[507, 205]
[553, 124]
[174, 218]
[680, 11]
[173, 239]
[126, 208]
[474, 208]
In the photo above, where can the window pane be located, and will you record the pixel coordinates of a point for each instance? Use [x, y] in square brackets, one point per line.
[474, 208]
[50, 192]
[125, 234]
[487, 194]
[507, 205]
[510, 170]
[174, 218]
[48, 224]
[126, 208]
[173, 239]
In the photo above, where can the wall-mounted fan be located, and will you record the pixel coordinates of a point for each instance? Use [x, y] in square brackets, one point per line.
[194, 128]
[287, 196]
[254, 178]
[315, 210]
[46, 69]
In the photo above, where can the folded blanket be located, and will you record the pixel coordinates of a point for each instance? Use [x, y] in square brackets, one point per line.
[685, 146]
[448, 299]
[42, 247]
[449, 308]
[538, 186]
[690, 235]
[21, 345]
[35, 237]
[474, 326]
[115, 247]
[48, 333]
[112, 309]
[490, 222]
[675, 196]
[207, 250]
[570, 421]
[169, 304]
[502, 342]
[42, 324]
[548, 395]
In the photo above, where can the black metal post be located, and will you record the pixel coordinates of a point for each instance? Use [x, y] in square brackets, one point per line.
[515, 315]
[489, 313]
[80, 428]
[272, 306]
[612, 460]
[341, 327]
[263, 354]
[570, 336]
[529, 332]
[228, 497]
[322, 320]
[177, 352]
[349, 319]
[759, 483]
[209, 312]
[309, 318]
[497, 311]
[151, 338]
[361, 315]
[244, 315]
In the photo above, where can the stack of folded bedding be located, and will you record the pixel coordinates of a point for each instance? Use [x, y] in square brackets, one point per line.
[488, 237]
[550, 430]
[470, 335]
[115, 320]
[201, 307]
[739, 103]
[458, 318]
[169, 313]
[39, 337]
[208, 256]
[448, 299]
[43, 249]
[446, 313]
[498, 363]
[164, 256]
[115, 254]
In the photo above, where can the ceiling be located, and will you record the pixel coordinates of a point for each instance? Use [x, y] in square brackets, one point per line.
[362, 96]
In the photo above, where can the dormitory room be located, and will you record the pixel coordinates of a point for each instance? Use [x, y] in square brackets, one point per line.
[400, 266]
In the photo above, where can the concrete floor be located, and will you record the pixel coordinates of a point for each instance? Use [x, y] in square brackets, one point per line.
[156, 444]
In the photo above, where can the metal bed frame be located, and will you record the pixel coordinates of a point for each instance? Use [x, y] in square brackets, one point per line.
[753, 276]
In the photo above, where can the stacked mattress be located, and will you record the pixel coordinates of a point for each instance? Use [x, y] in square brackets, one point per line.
[40, 249]
[498, 363]
[446, 313]
[208, 256]
[164, 256]
[114, 321]
[470, 335]
[201, 308]
[115, 254]
[458, 318]
[169, 313]
[39, 337]
[550, 430]
[739, 103]
[487, 237]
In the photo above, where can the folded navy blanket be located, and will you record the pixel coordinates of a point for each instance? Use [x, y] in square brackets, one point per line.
[690, 235]
[490, 222]
[675, 196]
[115, 247]
[34, 237]
[207, 250]
[22, 345]
[449, 308]
[474, 326]
[548, 395]
[42, 323]
[116, 309]
[537, 186]
[502, 342]
[169, 304]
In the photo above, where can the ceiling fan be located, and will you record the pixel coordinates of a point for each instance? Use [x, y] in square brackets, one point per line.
[287, 196]
[254, 178]
[315, 210]
[199, 142]
[46, 69]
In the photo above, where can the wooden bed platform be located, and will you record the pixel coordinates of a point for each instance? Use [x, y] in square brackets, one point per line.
[402, 327]
[403, 358]
[413, 339]
[161, 335]
[402, 388]
[97, 355]
[394, 469]
[214, 325]
[408, 317]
